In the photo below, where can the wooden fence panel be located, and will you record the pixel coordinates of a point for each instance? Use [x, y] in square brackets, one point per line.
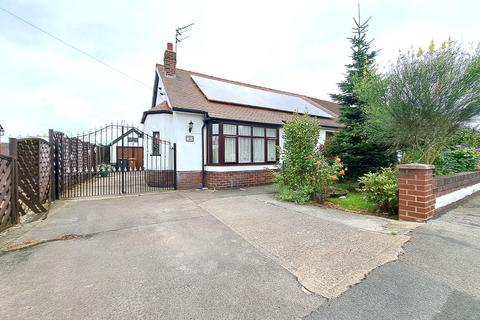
[33, 158]
[7, 192]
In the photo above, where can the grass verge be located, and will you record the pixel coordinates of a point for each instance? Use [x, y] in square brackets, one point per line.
[354, 200]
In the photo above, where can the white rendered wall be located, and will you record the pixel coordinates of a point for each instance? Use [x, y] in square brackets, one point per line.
[174, 128]
[161, 92]
[454, 196]
[163, 123]
[321, 137]
[189, 154]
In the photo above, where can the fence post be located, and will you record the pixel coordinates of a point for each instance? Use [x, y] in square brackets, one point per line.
[51, 141]
[416, 194]
[12, 143]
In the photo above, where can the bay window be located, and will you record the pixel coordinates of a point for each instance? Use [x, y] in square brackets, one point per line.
[236, 143]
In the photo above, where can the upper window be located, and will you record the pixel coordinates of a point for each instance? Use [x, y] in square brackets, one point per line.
[230, 143]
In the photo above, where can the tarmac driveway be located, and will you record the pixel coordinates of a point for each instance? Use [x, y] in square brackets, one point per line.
[188, 255]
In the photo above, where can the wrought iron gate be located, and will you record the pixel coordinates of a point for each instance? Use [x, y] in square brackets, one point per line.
[116, 159]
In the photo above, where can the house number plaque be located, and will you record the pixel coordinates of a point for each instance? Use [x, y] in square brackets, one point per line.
[189, 138]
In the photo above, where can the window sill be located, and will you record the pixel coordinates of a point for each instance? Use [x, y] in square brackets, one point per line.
[233, 164]
[236, 167]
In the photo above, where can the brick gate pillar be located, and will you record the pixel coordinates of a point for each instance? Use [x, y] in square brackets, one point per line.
[416, 194]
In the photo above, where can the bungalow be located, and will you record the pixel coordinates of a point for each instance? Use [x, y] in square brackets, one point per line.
[226, 131]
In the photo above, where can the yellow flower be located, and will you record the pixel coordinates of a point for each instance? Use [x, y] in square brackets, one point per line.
[431, 47]
[420, 52]
[337, 159]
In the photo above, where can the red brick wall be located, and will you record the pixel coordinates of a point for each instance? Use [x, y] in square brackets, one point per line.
[170, 61]
[236, 179]
[416, 196]
[447, 184]
[189, 179]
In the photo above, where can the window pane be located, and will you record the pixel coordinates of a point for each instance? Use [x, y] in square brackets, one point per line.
[271, 150]
[244, 149]
[258, 150]
[244, 131]
[156, 143]
[271, 132]
[230, 147]
[229, 129]
[215, 149]
[215, 128]
[258, 132]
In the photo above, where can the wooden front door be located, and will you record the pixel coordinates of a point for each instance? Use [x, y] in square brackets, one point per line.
[132, 156]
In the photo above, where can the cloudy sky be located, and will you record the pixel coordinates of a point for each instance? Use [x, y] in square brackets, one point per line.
[297, 46]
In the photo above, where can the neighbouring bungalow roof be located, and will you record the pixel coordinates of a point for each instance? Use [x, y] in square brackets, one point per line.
[184, 94]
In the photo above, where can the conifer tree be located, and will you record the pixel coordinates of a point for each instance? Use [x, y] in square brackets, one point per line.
[352, 144]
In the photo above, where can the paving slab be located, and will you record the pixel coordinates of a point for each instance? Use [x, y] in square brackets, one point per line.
[327, 254]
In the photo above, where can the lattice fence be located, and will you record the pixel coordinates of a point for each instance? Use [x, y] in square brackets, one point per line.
[74, 155]
[7, 192]
[33, 158]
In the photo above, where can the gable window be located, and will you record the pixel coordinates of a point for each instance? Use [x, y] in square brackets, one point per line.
[238, 143]
[156, 143]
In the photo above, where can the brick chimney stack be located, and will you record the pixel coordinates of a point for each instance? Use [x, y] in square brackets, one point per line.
[170, 60]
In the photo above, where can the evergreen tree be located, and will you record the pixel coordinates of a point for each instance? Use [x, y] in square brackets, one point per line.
[359, 154]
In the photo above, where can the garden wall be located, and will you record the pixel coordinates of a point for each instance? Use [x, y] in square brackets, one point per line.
[421, 195]
[450, 189]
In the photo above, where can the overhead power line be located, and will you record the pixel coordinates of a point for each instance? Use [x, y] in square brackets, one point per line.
[75, 48]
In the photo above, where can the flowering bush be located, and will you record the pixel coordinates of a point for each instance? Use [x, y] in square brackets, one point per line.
[305, 174]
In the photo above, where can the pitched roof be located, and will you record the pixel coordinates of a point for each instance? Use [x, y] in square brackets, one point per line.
[184, 94]
[162, 107]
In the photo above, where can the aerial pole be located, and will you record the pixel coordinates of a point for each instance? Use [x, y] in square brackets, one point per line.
[180, 32]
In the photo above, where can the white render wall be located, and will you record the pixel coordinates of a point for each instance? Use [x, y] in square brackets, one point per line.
[174, 128]
[455, 196]
[189, 154]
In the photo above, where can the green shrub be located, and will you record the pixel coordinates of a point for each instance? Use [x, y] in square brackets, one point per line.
[381, 188]
[305, 174]
[456, 160]
[469, 137]
[422, 100]
[104, 169]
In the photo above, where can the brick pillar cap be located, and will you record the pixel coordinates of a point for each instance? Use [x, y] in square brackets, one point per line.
[417, 166]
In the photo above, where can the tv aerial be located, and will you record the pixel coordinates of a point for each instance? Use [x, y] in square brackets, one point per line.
[180, 34]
